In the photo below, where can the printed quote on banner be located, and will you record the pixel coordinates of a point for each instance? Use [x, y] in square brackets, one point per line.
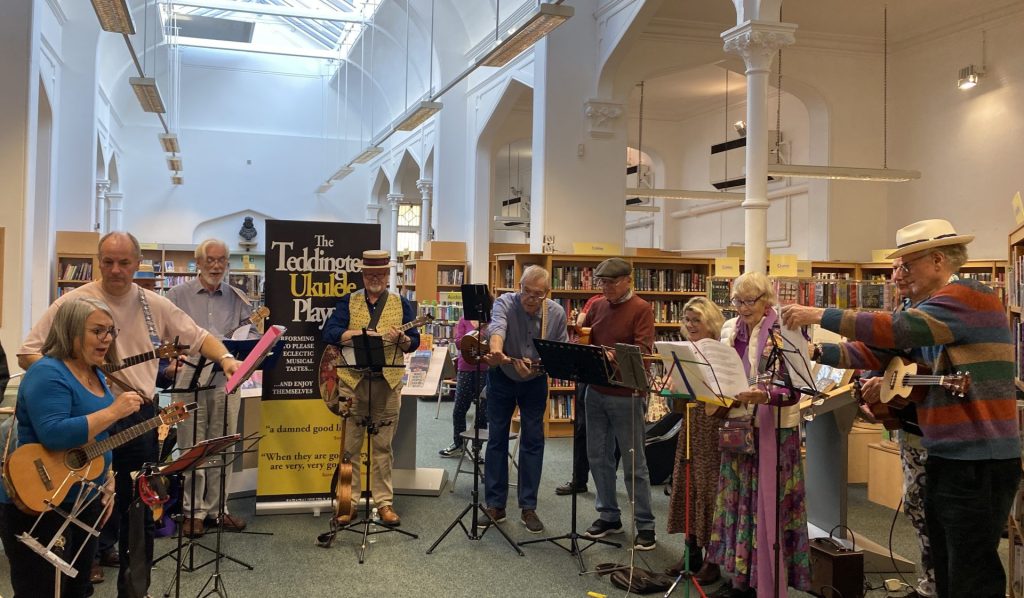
[310, 266]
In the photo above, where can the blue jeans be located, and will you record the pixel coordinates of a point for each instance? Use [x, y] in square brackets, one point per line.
[609, 419]
[503, 395]
[966, 504]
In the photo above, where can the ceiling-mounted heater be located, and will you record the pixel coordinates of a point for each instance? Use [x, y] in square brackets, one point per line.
[728, 164]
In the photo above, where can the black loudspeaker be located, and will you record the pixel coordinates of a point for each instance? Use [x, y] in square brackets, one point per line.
[660, 447]
[836, 571]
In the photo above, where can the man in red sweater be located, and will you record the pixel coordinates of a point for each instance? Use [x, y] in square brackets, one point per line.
[613, 413]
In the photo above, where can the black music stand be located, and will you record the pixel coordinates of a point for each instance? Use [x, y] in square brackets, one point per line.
[476, 305]
[583, 364]
[370, 358]
[190, 460]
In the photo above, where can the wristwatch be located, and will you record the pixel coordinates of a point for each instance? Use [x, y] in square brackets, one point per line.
[225, 356]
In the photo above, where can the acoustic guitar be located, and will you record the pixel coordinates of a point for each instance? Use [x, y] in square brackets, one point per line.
[903, 386]
[166, 350]
[473, 349]
[40, 476]
[342, 482]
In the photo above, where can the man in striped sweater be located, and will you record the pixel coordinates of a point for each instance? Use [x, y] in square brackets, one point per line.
[973, 443]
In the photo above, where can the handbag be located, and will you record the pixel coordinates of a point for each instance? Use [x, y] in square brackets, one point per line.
[736, 435]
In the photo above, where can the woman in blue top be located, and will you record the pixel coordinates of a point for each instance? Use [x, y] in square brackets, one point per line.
[63, 403]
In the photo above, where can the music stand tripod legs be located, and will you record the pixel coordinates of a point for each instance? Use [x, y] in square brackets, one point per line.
[573, 537]
[474, 506]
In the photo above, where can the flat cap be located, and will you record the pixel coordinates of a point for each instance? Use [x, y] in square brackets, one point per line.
[613, 268]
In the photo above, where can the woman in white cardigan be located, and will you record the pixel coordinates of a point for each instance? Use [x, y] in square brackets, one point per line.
[743, 532]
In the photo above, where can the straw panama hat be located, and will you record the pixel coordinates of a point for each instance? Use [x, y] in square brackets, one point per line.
[926, 234]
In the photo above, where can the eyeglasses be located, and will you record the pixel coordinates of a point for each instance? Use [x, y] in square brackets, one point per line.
[216, 261]
[737, 302]
[104, 333]
[534, 294]
[904, 268]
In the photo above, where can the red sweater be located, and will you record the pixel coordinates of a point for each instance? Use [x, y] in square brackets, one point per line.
[630, 322]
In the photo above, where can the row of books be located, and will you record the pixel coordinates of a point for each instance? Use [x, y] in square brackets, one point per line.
[451, 277]
[561, 406]
[668, 312]
[442, 332]
[76, 271]
[441, 311]
[1018, 343]
[573, 278]
[1015, 276]
[560, 382]
[668, 281]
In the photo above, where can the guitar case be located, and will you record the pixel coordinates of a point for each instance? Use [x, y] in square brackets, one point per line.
[660, 446]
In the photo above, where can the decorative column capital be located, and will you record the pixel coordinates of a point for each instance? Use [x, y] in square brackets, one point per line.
[102, 186]
[425, 187]
[394, 199]
[373, 212]
[758, 42]
[601, 117]
[114, 199]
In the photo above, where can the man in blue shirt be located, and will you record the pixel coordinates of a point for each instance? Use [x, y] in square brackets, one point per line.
[517, 319]
[373, 308]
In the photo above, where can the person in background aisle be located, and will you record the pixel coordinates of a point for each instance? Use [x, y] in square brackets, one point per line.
[517, 319]
[63, 403]
[973, 442]
[374, 308]
[223, 310]
[701, 319]
[751, 497]
[470, 381]
[614, 415]
[580, 463]
[146, 319]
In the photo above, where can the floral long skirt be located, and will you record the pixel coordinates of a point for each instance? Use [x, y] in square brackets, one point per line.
[734, 531]
[706, 461]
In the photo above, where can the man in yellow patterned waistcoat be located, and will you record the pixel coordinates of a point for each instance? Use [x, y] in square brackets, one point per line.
[374, 308]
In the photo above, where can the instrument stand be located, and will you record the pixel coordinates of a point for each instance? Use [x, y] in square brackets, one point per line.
[194, 388]
[476, 306]
[691, 403]
[62, 566]
[582, 366]
[190, 460]
[370, 360]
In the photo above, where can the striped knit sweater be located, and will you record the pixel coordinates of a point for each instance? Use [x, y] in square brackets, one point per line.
[960, 328]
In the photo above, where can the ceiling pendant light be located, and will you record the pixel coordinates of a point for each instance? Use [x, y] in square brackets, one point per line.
[544, 19]
[114, 16]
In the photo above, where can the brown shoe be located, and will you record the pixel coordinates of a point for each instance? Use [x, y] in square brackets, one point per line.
[496, 514]
[96, 573]
[388, 516]
[110, 558]
[708, 574]
[192, 527]
[231, 523]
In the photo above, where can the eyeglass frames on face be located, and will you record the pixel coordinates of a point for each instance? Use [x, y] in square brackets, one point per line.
[532, 294]
[904, 268]
[104, 333]
[216, 261]
[737, 302]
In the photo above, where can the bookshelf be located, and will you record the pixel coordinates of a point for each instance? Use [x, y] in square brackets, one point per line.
[1011, 281]
[76, 263]
[431, 280]
[177, 264]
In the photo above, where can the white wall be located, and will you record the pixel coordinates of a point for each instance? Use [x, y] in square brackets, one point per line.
[969, 145]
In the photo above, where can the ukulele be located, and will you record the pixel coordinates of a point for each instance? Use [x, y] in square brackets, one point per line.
[348, 353]
[902, 386]
[40, 476]
[258, 315]
[166, 350]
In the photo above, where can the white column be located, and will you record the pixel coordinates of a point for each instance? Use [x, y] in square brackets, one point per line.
[373, 213]
[115, 211]
[102, 187]
[757, 42]
[426, 188]
[393, 200]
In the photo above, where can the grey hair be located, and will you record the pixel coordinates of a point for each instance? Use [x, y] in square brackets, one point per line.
[69, 325]
[115, 233]
[201, 249]
[753, 284]
[956, 255]
[535, 273]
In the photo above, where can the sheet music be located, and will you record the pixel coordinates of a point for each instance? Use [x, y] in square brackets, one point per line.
[794, 353]
[712, 368]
